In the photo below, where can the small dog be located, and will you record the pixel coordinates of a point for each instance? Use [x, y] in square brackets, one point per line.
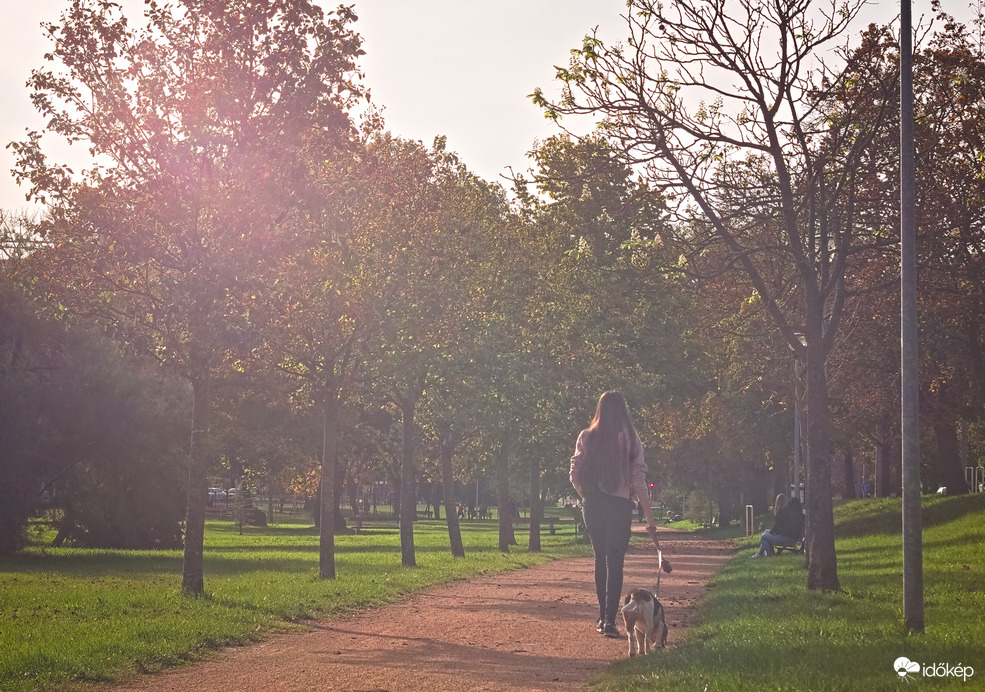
[645, 624]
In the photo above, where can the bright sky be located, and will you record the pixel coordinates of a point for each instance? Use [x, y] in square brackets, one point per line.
[460, 68]
[439, 67]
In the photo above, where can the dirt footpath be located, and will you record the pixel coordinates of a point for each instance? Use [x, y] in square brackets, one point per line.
[529, 629]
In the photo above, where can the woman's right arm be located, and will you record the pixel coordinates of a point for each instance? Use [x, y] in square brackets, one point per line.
[577, 464]
[638, 470]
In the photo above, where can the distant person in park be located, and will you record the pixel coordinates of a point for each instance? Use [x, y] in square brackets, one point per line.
[788, 528]
[607, 470]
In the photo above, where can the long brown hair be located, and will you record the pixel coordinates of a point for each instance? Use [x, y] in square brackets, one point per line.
[607, 454]
[779, 503]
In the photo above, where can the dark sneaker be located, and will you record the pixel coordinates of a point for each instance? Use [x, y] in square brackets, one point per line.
[611, 631]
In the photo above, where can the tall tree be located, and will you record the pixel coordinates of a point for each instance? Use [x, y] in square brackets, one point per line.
[603, 303]
[948, 136]
[718, 103]
[427, 219]
[317, 315]
[200, 124]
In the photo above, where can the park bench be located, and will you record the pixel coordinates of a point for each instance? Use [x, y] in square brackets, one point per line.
[798, 547]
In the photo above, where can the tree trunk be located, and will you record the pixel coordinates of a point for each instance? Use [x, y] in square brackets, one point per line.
[758, 491]
[408, 491]
[822, 562]
[352, 491]
[506, 537]
[437, 493]
[849, 489]
[193, 566]
[949, 471]
[883, 468]
[536, 507]
[976, 354]
[896, 465]
[448, 485]
[338, 490]
[326, 484]
[724, 504]
[396, 482]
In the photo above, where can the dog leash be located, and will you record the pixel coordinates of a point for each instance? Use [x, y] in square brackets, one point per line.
[662, 565]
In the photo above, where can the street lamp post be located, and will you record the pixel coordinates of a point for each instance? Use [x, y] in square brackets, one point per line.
[913, 613]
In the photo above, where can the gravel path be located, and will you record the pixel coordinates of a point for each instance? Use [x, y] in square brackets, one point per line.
[528, 629]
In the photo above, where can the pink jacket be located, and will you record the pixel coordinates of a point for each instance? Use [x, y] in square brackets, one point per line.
[637, 469]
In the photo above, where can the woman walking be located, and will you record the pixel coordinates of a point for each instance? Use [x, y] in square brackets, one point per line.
[607, 470]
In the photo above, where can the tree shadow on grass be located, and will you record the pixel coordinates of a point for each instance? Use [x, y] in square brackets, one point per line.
[885, 516]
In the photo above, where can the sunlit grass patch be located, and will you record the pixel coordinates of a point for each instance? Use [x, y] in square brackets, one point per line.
[760, 629]
[73, 616]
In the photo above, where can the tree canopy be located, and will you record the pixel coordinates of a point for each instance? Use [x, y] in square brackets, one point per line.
[352, 306]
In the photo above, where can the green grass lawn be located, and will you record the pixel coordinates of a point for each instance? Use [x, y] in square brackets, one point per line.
[760, 629]
[70, 617]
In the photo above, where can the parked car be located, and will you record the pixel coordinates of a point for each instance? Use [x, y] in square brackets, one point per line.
[216, 494]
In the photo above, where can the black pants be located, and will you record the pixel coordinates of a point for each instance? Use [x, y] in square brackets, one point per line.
[609, 522]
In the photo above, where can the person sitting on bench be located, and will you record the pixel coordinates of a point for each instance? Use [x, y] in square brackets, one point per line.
[787, 530]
